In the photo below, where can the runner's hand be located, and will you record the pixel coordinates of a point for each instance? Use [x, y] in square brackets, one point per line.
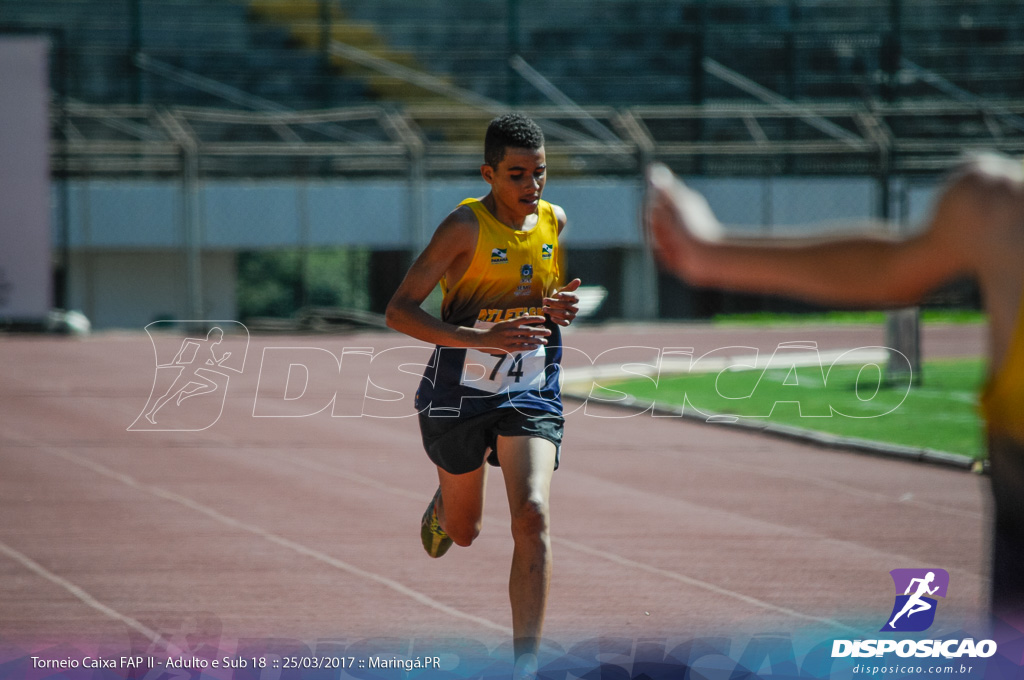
[563, 306]
[516, 335]
[679, 223]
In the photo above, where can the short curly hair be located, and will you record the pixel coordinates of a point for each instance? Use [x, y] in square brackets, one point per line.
[511, 129]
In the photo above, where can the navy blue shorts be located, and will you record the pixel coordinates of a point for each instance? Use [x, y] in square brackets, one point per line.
[458, 445]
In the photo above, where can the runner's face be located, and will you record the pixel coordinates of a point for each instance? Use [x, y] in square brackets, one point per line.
[518, 181]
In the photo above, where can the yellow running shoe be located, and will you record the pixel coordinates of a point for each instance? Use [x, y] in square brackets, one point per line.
[435, 541]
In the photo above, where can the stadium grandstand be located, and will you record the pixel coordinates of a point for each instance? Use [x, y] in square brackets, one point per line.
[258, 160]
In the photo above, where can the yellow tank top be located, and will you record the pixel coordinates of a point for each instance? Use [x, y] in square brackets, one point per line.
[510, 273]
[1002, 402]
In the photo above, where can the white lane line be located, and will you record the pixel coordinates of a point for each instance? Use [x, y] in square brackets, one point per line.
[846, 488]
[669, 366]
[622, 561]
[412, 495]
[763, 525]
[778, 473]
[83, 596]
[352, 476]
[278, 540]
[697, 583]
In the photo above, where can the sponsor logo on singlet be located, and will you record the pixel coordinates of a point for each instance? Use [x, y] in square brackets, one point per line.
[525, 280]
[498, 315]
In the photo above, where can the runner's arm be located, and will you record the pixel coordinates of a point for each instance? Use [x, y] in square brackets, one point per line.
[455, 237]
[857, 270]
[562, 304]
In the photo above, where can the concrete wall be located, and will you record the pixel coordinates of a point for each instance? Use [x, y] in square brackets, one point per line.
[24, 179]
[128, 266]
[131, 288]
[286, 213]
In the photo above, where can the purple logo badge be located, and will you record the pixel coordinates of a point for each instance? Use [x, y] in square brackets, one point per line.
[916, 589]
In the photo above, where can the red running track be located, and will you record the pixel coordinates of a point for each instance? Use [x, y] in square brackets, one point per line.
[307, 527]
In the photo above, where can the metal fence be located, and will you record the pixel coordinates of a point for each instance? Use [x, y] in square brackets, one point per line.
[188, 181]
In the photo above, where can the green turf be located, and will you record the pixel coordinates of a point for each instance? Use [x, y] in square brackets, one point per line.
[940, 414]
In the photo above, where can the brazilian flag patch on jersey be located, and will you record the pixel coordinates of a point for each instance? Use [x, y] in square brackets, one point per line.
[546, 250]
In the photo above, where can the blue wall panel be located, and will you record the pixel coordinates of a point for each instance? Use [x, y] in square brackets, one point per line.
[362, 214]
[136, 214]
[245, 215]
[242, 215]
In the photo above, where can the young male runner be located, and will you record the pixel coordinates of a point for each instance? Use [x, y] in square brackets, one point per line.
[976, 229]
[491, 389]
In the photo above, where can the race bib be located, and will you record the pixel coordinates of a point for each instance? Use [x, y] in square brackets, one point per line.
[503, 371]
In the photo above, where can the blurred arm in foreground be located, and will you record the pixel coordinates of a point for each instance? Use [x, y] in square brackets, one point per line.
[976, 229]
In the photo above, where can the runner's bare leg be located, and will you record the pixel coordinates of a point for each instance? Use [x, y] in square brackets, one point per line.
[461, 509]
[527, 464]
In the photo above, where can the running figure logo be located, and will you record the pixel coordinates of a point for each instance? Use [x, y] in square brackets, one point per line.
[914, 610]
[201, 366]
